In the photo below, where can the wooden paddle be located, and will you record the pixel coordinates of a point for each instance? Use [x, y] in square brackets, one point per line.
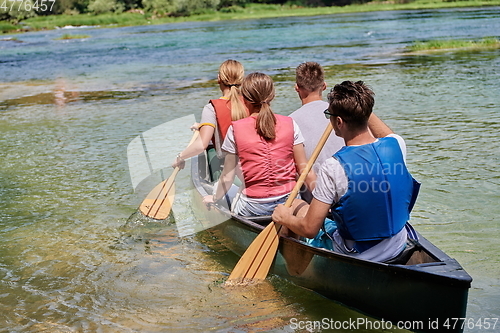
[257, 259]
[158, 202]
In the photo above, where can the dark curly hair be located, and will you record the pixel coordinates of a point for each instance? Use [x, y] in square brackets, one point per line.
[353, 102]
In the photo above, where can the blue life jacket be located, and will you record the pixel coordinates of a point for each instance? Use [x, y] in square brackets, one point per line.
[378, 200]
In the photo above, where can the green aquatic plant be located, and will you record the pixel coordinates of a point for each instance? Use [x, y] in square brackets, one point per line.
[70, 36]
[454, 44]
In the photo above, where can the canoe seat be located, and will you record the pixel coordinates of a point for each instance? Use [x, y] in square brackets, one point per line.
[262, 220]
[214, 164]
[405, 255]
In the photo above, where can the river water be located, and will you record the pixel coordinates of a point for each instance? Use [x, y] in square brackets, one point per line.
[70, 262]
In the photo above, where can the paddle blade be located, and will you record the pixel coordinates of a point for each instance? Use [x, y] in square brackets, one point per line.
[255, 263]
[158, 203]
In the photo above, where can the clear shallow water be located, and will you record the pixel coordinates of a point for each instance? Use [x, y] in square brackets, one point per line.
[67, 262]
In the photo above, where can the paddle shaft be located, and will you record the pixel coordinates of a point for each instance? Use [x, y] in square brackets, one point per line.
[163, 194]
[309, 165]
[257, 259]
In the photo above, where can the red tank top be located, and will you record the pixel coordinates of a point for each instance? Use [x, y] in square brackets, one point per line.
[268, 166]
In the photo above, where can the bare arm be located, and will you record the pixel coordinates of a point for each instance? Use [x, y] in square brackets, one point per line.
[197, 147]
[378, 128]
[225, 180]
[299, 155]
[307, 226]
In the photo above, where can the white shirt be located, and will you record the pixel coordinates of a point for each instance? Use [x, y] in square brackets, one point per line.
[312, 123]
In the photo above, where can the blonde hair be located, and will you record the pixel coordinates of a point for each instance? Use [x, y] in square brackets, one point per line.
[231, 73]
[258, 89]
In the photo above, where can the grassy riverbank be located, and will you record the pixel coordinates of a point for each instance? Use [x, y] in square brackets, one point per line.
[433, 46]
[252, 11]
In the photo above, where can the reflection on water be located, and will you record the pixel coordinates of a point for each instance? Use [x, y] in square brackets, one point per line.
[70, 258]
[61, 96]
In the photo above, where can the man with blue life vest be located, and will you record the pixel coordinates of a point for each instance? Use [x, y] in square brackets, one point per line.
[365, 186]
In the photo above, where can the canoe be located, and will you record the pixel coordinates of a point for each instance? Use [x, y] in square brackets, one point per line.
[424, 287]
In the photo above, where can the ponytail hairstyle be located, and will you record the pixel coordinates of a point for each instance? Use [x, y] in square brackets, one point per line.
[258, 89]
[231, 74]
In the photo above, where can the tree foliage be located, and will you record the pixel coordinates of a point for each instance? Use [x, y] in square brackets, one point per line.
[178, 7]
[105, 6]
[16, 11]
[154, 8]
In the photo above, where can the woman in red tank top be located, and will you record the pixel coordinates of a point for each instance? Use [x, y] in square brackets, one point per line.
[269, 148]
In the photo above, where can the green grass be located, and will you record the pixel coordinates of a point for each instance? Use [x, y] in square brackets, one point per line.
[454, 44]
[6, 27]
[70, 36]
[252, 11]
[53, 21]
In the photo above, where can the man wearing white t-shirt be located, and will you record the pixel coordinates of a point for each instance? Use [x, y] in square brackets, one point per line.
[309, 85]
[365, 186]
